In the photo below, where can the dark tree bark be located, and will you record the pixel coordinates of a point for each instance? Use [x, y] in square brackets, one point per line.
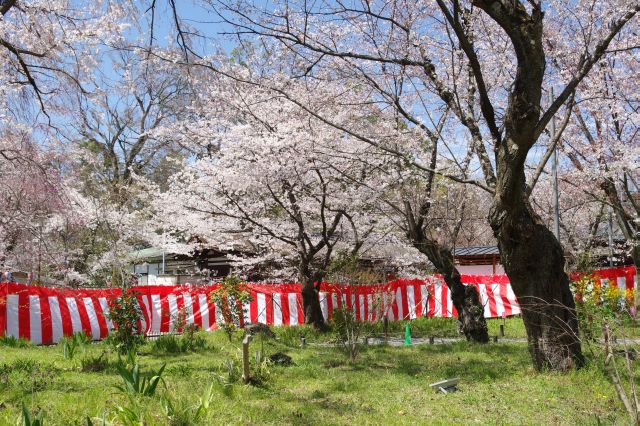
[311, 297]
[532, 256]
[464, 298]
[311, 303]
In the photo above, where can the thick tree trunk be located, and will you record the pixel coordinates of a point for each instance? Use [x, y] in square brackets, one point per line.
[464, 298]
[311, 298]
[534, 261]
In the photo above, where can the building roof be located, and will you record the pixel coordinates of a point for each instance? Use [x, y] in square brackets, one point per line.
[148, 253]
[476, 251]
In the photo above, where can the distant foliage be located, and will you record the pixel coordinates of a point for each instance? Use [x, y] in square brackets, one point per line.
[229, 298]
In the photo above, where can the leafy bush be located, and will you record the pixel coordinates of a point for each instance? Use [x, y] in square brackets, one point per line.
[230, 297]
[125, 313]
[137, 384]
[598, 302]
[347, 329]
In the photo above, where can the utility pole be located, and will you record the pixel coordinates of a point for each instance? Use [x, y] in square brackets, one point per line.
[610, 229]
[554, 176]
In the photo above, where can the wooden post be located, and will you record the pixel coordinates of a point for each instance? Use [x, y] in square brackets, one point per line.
[246, 373]
[385, 326]
[501, 330]
[303, 342]
[495, 339]
[432, 340]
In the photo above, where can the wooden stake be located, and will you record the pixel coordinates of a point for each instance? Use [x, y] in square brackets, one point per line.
[246, 373]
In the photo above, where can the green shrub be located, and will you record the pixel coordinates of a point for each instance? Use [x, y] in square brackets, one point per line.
[125, 313]
[347, 330]
[230, 296]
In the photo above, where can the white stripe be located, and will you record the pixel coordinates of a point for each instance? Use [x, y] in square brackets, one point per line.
[424, 300]
[204, 311]
[323, 304]
[156, 313]
[361, 300]
[622, 283]
[371, 307]
[449, 302]
[145, 305]
[293, 309]
[484, 300]
[93, 318]
[105, 311]
[35, 320]
[399, 304]
[262, 308]
[498, 298]
[76, 323]
[218, 316]
[334, 302]
[277, 309]
[411, 301]
[13, 327]
[56, 319]
[513, 301]
[173, 310]
[352, 308]
[188, 307]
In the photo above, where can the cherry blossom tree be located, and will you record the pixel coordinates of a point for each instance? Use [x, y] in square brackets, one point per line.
[276, 187]
[489, 63]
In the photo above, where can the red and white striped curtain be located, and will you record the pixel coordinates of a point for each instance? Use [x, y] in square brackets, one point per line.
[44, 315]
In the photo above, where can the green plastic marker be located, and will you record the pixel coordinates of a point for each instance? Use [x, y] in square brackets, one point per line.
[407, 334]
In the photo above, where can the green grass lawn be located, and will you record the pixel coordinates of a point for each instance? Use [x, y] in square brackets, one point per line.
[386, 385]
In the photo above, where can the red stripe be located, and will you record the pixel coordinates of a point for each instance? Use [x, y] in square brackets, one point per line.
[65, 315]
[492, 301]
[505, 299]
[102, 322]
[24, 329]
[417, 298]
[165, 314]
[253, 307]
[46, 323]
[84, 316]
[432, 300]
[301, 319]
[3, 309]
[405, 300]
[180, 311]
[268, 300]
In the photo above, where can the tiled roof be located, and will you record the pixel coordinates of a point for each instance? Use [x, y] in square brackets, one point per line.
[476, 251]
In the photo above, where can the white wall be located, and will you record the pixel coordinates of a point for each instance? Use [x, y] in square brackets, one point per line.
[480, 269]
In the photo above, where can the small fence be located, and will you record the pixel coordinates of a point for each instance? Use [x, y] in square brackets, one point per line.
[44, 315]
